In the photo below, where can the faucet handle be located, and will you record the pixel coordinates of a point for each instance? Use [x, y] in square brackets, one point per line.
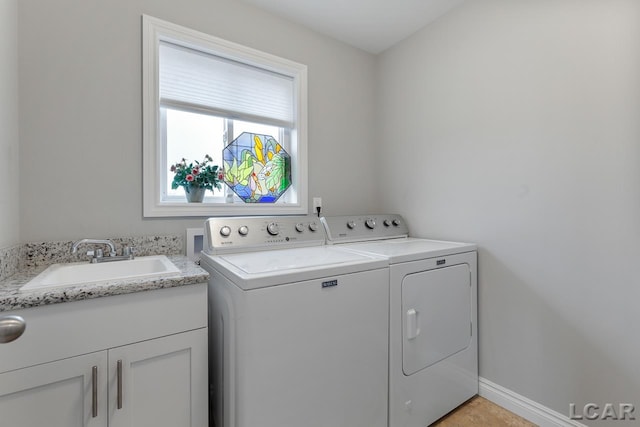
[129, 251]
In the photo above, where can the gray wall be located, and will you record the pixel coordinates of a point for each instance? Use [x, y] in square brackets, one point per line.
[80, 93]
[515, 124]
[9, 177]
[509, 123]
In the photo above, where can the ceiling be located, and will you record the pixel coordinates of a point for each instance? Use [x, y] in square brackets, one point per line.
[371, 25]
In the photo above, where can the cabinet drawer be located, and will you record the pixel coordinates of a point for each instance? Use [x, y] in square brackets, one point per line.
[68, 329]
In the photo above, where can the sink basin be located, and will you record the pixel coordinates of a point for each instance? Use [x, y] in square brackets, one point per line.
[83, 272]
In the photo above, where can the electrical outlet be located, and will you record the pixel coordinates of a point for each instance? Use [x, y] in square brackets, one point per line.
[317, 203]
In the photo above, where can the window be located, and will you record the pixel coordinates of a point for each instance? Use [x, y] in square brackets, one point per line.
[200, 93]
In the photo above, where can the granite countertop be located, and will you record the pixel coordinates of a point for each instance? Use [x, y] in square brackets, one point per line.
[11, 298]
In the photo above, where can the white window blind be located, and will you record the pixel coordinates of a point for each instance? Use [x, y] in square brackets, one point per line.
[194, 79]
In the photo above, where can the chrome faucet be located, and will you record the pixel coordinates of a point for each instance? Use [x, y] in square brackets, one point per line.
[97, 254]
[112, 247]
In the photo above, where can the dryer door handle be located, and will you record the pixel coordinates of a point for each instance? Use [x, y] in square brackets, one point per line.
[412, 324]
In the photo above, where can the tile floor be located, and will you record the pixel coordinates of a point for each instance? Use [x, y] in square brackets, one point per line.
[479, 412]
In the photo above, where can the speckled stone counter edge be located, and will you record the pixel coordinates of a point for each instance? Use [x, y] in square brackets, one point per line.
[20, 263]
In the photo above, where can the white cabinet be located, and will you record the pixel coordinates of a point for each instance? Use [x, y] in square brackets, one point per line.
[132, 360]
[162, 382]
[56, 394]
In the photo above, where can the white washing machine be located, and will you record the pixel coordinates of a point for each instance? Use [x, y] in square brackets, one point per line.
[298, 329]
[433, 340]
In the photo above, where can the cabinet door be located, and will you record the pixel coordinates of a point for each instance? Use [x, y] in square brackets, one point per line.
[160, 382]
[57, 394]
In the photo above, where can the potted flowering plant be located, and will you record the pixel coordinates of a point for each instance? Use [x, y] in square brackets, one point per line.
[196, 177]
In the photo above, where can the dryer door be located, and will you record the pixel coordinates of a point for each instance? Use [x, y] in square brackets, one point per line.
[436, 306]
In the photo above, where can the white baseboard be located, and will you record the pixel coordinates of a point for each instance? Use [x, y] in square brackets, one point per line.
[526, 408]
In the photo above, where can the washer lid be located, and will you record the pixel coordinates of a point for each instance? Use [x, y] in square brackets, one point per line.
[251, 270]
[411, 248]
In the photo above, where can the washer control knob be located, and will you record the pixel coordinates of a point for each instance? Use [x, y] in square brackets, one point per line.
[386, 222]
[370, 223]
[273, 229]
[225, 231]
[351, 225]
[313, 226]
[299, 227]
[395, 222]
[243, 230]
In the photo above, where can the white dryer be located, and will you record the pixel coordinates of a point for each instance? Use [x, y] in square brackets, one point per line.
[433, 340]
[298, 329]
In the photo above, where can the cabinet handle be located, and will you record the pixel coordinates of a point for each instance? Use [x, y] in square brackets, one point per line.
[119, 369]
[11, 327]
[94, 392]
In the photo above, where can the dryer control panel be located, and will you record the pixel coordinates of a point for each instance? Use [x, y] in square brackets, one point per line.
[359, 228]
[241, 234]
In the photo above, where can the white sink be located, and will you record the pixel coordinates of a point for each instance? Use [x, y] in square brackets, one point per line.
[83, 272]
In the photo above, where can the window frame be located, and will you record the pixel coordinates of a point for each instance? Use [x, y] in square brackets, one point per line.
[153, 32]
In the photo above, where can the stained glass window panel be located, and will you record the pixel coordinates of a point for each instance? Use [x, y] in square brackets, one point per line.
[257, 168]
